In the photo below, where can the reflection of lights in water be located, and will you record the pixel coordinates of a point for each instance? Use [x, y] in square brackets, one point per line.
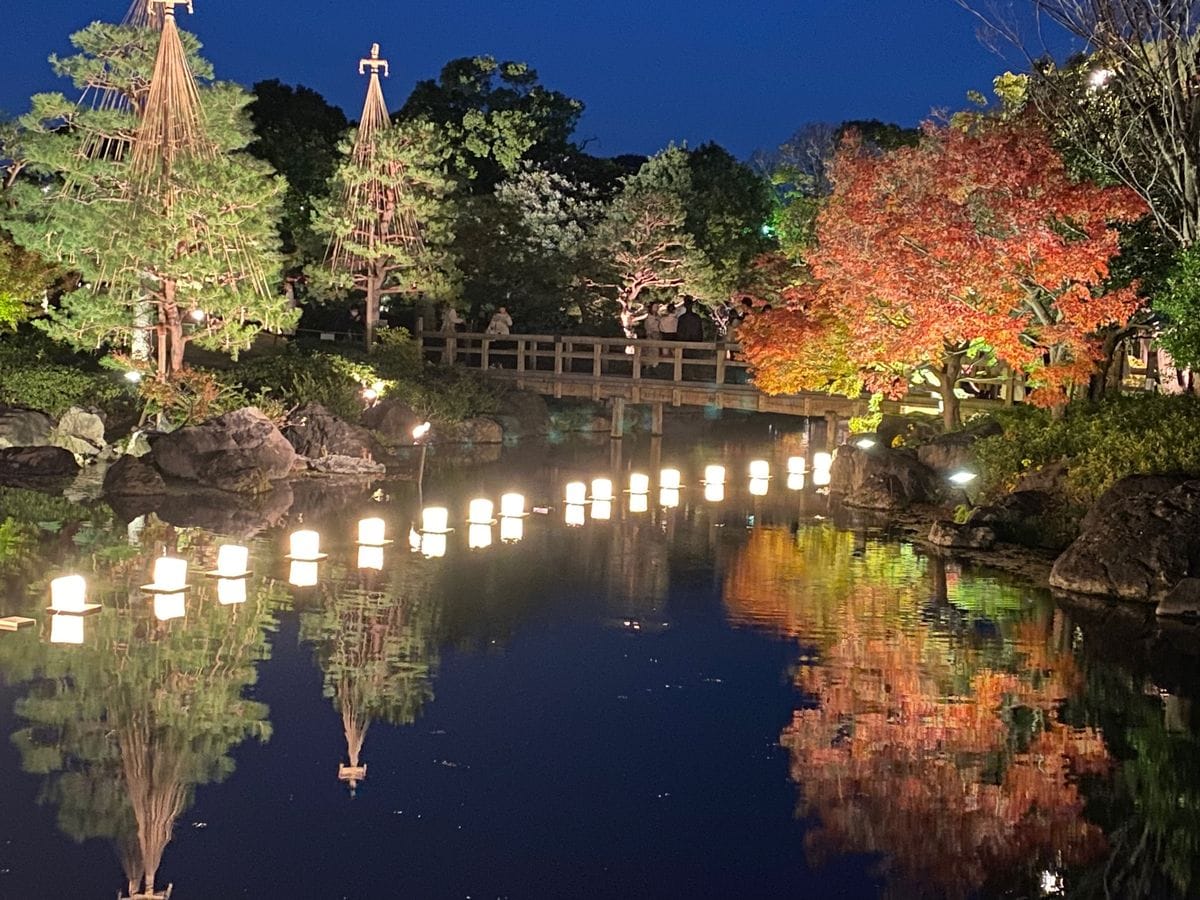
[512, 505]
[821, 477]
[639, 483]
[305, 544]
[480, 511]
[714, 491]
[231, 591]
[372, 531]
[795, 481]
[714, 474]
[169, 606]
[68, 594]
[576, 492]
[66, 629]
[760, 469]
[796, 465]
[479, 537]
[758, 486]
[414, 539]
[512, 530]
[1052, 884]
[433, 546]
[302, 573]
[822, 460]
[232, 560]
[573, 514]
[639, 503]
[170, 574]
[602, 489]
[668, 498]
[370, 557]
[669, 479]
[602, 509]
[435, 518]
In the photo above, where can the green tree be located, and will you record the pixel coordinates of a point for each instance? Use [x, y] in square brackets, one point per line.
[24, 277]
[1179, 301]
[495, 114]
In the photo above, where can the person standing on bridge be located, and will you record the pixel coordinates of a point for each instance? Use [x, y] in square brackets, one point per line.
[668, 322]
[501, 322]
[690, 327]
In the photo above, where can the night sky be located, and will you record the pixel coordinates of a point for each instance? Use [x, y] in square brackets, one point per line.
[649, 71]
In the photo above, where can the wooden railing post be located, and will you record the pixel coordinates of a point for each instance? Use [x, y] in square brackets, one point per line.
[721, 351]
[452, 348]
[485, 347]
[637, 362]
[597, 349]
[678, 363]
[520, 354]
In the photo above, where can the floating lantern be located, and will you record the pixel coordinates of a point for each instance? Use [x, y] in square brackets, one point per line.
[795, 481]
[479, 536]
[573, 514]
[962, 478]
[576, 493]
[760, 469]
[668, 497]
[668, 479]
[433, 545]
[435, 519]
[66, 629]
[714, 491]
[372, 532]
[480, 512]
[231, 591]
[512, 506]
[303, 573]
[370, 556]
[602, 489]
[233, 561]
[305, 545]
[714, 474]
[821, 477]
[639, 503]
[602, 509]
[511, 529]
[639, 483]
[169, 606]
[822, 460]
[759, 486]
[170, 576]
[796, 465]
[68, 596]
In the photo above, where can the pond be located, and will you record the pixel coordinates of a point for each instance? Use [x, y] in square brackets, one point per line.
[713, 693]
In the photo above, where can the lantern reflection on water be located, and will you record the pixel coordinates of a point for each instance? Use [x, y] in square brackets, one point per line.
[370, 557]
[511, 530]
[759, 486]
[66, 629]
[668, 498]
[169, 606]
[231, 591]
[821, 477]
[639, 503]
[602, 509]
[795, 481]
[714, 491]
[573, 514]
[479, 537]
[433, 545]
[303, 573]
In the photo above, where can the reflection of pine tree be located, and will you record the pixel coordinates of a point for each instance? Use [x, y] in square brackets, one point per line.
[126, 726]
[377, 651]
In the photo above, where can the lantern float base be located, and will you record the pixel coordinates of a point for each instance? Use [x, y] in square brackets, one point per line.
[88, 609]
[15, 623]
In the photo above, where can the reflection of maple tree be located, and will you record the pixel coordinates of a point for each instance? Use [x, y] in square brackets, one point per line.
[937, 751]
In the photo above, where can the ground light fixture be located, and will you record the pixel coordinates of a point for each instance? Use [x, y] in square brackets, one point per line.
[133, 377]
[865, 443]
[963, 477]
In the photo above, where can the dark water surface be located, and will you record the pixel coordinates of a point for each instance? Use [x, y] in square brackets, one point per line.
[756, 697]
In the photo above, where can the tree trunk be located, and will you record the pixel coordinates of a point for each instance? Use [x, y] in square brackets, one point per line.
[948, 378]
[371, 310]
[173, 327]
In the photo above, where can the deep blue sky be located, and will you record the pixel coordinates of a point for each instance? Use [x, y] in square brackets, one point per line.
[649, 71]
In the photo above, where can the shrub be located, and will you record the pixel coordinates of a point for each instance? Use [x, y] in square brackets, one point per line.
[40, 374]
[1101, 442]
[296, 377]
[447, 394]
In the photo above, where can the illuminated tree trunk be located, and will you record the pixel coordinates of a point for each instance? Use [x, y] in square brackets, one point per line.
[948, 377]
[173, 344]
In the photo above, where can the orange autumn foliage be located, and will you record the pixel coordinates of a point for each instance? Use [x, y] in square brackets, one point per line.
[972, 237]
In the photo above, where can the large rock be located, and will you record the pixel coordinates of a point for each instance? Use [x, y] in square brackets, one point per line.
[523, 414]
[879, 478]
[1181, 600]
[479, 430]
[948, 453]
[1031, 518]
[239, 451]
[79, 431]
[20, 427]
[961, 537]
[393, 421]
[346, 465]
[315, 433]
[24, 465]
[134, 476]
[1137, 542]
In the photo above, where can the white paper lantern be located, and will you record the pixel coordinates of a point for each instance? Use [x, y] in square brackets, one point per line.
[669, 479]
[305, 545]
[639, 483]
[170, 574]
[714, 474]
[512, 505]
[760, 469]
[232, 560]
[576, 493]
[435, 519]
[372, 531]
[796, 465]
[822, 460]
[480, 511]
[68, 594]
[602, 489]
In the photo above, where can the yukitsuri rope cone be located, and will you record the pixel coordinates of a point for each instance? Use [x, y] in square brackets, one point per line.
[374, 202]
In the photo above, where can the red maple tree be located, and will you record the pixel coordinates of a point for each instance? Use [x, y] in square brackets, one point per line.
[975, 242]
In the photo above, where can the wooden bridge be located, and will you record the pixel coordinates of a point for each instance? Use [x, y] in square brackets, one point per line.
[657, 373]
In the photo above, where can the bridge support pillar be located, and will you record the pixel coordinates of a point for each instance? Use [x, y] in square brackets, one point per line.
[831, 430]
[656, 419]
[618, 418]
